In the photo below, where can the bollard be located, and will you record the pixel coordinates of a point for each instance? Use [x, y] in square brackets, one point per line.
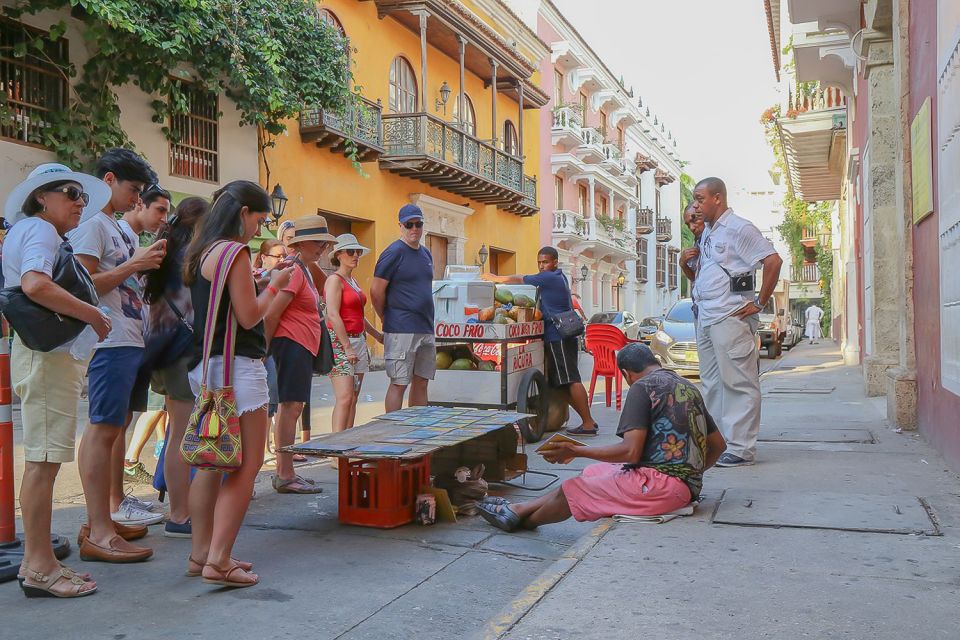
[11, 547]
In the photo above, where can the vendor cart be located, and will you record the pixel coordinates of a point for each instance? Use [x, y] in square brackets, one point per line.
[509, 373]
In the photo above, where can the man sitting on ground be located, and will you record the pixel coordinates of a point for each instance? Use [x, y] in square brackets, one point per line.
[669, 440]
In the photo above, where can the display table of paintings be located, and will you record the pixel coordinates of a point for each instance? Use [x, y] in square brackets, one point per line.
[384, 464]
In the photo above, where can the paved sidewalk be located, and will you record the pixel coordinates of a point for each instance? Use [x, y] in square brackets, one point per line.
[696, 578]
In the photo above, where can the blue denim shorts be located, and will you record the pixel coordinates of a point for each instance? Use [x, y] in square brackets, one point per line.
[111, 376]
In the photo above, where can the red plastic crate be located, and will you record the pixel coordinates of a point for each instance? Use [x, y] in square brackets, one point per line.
[381, 493]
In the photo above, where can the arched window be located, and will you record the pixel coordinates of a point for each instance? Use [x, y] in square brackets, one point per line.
[328, 18]
[403, 87]
[511, 143]
[469, 122]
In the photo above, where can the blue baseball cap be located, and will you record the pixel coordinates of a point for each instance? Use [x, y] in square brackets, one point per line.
[409, 212]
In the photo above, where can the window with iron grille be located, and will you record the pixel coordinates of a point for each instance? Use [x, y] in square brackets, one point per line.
[673, 258]
[196, 152]
[642, 259]
[33, 86]
[661, 266]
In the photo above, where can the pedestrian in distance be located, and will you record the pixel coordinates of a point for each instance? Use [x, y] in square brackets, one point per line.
[668, 440]
[689, 256]
[731, 250]
[218, 502]
[562, 354]
[293, 333]
[269, 255]
[402, 295]
[114, 259]
[348, 330]
[169, 343]
[812, 317]
[44, 207]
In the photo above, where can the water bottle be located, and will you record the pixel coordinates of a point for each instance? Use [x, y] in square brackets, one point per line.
[85, 342]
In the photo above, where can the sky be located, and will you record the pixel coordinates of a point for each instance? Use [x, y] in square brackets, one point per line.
[703, 67]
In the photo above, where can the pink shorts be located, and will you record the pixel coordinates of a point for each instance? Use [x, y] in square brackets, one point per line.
[605, 489]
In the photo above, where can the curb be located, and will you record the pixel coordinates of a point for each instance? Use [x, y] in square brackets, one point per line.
[521, 605]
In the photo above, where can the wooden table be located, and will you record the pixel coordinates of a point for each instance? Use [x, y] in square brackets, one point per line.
[384, 463]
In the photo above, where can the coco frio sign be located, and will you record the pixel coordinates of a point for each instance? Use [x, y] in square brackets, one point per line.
[488, 331]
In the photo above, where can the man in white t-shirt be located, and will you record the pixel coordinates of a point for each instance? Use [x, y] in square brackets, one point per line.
[812, 317]
[113, 259]
[731, 250]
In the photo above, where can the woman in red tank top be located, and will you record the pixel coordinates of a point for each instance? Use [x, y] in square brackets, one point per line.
[348, 328]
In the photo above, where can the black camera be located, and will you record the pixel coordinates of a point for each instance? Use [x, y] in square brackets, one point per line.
[742, 283]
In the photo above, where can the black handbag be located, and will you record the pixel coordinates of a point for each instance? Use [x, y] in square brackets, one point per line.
[569, 324]
[323, 361]
[39, 328]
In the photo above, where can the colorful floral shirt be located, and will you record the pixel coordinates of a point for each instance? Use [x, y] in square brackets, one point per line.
[673, 413]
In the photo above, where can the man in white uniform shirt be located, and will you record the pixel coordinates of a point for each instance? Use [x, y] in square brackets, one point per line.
[731, 250]
[812, 317]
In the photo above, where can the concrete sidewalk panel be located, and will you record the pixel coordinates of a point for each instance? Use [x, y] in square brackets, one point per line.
[902, 514]
[861, 436]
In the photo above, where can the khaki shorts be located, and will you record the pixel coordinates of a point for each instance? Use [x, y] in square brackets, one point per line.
[409, 354]
[49, 386]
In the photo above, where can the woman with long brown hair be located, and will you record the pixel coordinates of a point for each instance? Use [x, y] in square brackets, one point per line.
[218, 504]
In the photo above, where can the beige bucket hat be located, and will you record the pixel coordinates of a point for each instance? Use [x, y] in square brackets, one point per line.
[311, 228]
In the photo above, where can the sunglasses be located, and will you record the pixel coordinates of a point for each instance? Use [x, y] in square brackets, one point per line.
[413, 223]
[156, 188]
[73, 194]
[357, 252]
[275, 255]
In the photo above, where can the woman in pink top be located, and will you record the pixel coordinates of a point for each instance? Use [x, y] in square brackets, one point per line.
[293, 331]
[348, 326]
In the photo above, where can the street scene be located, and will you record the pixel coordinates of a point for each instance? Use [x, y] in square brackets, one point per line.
[415, 318]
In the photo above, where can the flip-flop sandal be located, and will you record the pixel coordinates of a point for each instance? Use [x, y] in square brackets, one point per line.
[580, 431]
[296, 485]
[191, 573]
[499, 515]
[299, 457]
[303, 480]
[224, 578]
[494, 500]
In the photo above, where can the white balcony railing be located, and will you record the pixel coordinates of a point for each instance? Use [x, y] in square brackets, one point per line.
[568, 223]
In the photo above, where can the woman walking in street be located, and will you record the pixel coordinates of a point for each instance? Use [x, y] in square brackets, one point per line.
[44, 207]
[170, 336]
[217, 503]
[348, 326]
[293, 330]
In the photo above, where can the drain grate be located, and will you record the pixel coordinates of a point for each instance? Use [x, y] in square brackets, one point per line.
[903, 515]
[850, 436]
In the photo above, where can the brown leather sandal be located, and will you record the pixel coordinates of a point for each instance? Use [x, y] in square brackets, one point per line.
[196, 573]
[43, 586]
[224, 578]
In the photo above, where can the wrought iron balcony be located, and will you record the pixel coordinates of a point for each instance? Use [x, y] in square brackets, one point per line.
[645, 221]
[361, 123]
[664, 230]
[806, 273]
[422, 146]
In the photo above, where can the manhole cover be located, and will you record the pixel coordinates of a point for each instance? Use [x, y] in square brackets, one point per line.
[854, 436]
[904, 514]
[813, 390]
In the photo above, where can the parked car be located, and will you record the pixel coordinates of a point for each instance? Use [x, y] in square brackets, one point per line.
[675, 342]
[772, 328]
[623, 320]
[648, 327]
[794, 336]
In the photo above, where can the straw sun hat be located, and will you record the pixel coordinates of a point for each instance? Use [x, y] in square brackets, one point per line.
[49, 173]
[347, 241]
[311, 228]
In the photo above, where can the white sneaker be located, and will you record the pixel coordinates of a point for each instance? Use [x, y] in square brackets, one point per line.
[132, 516]
[135, 502]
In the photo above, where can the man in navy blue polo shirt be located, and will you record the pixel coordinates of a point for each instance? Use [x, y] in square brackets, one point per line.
[562, 353]
[402, 295]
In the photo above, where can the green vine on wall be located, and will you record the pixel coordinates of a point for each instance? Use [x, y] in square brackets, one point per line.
[269, 57]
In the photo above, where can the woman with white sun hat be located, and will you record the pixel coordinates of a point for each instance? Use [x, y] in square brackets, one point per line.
[43, 208]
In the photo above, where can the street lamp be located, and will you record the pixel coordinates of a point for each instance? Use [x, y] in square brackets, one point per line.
[279, 201]
[620, 280]
[584, 271]
[482, 255]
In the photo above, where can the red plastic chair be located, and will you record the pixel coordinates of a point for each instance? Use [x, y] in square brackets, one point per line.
[603, 341]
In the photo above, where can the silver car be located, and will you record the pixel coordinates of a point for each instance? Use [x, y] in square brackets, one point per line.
[675, 342]
[622, 320]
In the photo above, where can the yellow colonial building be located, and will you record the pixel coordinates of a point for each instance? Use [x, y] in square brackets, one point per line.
[449, 121]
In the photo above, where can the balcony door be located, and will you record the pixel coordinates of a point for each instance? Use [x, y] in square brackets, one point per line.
[511, 143]
[469, 121]
[403, 86]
